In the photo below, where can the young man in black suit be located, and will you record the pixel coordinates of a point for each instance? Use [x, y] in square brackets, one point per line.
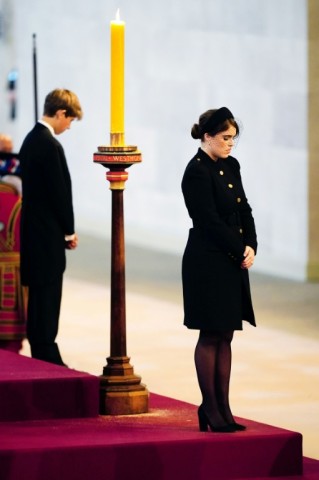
[47, 221]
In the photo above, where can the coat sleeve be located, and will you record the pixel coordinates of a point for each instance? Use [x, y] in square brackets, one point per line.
[198, 193]
[245, 210]
[58, 182]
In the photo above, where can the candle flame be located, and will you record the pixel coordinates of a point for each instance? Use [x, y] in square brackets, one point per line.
[117, 16]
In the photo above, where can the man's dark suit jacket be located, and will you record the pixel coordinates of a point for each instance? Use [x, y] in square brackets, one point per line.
[47, 211]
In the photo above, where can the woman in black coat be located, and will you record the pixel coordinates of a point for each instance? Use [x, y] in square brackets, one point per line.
[221, 248]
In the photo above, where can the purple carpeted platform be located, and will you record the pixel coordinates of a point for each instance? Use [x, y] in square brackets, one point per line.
[164, 444]
[31, 389]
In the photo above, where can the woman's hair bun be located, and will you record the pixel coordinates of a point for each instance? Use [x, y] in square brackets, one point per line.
[195, 132]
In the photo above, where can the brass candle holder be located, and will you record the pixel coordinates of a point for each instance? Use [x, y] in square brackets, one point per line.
[121, 391]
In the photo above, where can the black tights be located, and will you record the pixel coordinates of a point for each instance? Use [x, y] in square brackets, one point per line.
[213, 358]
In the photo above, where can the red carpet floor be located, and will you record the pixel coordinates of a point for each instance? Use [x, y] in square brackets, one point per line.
[34, 390]
[164, 444]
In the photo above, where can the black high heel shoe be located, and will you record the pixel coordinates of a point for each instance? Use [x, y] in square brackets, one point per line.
[238, 427]
[204, 423]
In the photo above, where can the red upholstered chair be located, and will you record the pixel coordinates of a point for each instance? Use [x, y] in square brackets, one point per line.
[13, 297]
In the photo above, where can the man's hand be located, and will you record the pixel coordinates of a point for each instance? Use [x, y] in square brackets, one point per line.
[249, 255]
[72, 243]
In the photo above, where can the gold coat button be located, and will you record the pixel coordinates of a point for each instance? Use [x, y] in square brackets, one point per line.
[238, 199]
[240, 230]
[198, 159]
[221, 172]
[230, 185]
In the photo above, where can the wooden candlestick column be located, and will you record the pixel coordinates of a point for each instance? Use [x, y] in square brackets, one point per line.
[121, 391]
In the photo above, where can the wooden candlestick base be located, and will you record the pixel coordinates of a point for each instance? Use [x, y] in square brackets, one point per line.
[121, 391]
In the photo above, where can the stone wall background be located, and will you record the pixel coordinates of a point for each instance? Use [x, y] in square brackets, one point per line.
[182, 57]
